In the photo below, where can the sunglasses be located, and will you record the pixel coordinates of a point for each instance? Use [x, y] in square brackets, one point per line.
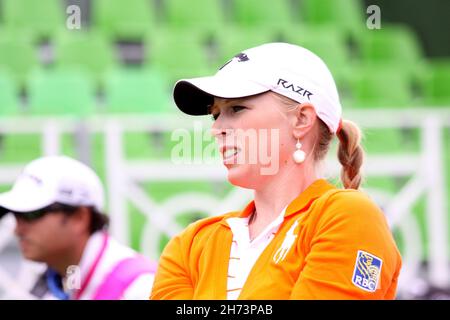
[37, 214]
[29, 216]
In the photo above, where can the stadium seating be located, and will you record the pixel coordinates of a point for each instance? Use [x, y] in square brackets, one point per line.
[328, 43]
[179, 47]
[347, 15]
[200, 15]
[89, 51]
[61, 92]
[394, 46]
[232, 40]
[180, 54]
[17, 55]
[261, 13]
[9, 104]
[385, 87]
[436, 83]
[136, 91]
[380, 86]
[40, 19]
[129, 22]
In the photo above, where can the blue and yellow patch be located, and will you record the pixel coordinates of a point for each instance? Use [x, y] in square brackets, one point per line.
[367, 271]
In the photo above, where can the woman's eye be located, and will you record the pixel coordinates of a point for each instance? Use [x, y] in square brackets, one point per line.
[234, 109]
[237, 108]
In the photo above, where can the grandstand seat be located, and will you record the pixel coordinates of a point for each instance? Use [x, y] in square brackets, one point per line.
[9, 104]
[347, 15]
[396, 46]
[381, 86]
[40, 19]
[233, 40]
[179, 54]
[19, 147]
[89, 51]
[206, 15]
[61, 92]
[262, 13]
[17, 56]
[328, 43]
[129, 21]
[136, 91]
[436, 83]
[372, 87]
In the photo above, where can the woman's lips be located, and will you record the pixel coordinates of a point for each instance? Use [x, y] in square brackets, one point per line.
[229, 153]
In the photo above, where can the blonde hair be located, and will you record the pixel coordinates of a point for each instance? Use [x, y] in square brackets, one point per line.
[350, 152]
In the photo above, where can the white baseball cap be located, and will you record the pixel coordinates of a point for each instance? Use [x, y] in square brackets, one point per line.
[47, 180]
[284, 68]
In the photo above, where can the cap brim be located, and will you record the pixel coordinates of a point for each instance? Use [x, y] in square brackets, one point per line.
[14, 201]
[194, 96]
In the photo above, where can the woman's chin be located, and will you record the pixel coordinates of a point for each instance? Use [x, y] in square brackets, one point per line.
[240, 176]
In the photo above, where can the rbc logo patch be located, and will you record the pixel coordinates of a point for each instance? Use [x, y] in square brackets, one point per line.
[367, 271]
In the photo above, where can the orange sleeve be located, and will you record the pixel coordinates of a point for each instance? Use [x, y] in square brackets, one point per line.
[172, 280]
[349, 222]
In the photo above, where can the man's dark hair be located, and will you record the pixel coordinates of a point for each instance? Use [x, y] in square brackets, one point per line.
[98, 221]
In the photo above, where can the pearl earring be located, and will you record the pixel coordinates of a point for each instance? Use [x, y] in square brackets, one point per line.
[299, 155]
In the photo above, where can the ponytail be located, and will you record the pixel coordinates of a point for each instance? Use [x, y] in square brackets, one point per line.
[350, 154]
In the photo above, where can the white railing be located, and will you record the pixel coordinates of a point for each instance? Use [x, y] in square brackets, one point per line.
[424, 170]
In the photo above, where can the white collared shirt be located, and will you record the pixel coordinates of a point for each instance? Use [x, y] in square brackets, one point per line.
[244, 253]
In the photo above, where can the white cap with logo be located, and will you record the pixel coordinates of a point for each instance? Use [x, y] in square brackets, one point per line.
[47, 180]
[284, 68]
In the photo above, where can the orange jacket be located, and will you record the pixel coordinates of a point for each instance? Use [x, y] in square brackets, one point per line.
[343, 249]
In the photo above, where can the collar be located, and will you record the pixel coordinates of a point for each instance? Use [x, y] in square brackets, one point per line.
[98, 241]
[311, 193]
[240, 230]
[90, 252]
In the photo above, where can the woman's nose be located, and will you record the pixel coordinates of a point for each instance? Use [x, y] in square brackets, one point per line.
[216, 132]
[218, 128]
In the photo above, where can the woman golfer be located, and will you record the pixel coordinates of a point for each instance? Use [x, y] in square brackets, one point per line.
[301, 237]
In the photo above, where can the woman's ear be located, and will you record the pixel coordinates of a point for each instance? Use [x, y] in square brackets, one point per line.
[305, 118]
